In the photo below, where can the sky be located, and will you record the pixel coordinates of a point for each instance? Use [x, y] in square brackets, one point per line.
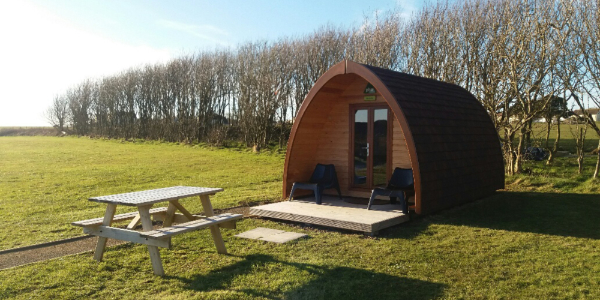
[47, 47]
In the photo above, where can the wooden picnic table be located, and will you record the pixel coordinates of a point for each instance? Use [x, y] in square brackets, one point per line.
[160, 237]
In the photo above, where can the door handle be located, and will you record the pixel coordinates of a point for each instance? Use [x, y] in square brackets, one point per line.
[367, 148]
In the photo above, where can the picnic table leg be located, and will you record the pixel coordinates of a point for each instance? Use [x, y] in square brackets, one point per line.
[214, 230]
[182, 209]
[169, 216]
[134, 222]
[108, 218]
[154, 253]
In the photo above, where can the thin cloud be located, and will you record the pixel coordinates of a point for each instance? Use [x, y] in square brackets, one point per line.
[205, 32]
[407, 8]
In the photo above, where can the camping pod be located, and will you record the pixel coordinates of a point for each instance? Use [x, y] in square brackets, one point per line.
[367, 121]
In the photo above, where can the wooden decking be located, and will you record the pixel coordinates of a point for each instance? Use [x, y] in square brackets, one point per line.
[334, 213]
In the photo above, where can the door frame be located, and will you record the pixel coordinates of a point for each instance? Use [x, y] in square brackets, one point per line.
[390, 142]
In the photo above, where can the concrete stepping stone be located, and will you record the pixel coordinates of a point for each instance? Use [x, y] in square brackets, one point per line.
[270, 235]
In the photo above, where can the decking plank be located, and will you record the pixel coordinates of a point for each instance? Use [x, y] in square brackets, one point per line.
[334, 213]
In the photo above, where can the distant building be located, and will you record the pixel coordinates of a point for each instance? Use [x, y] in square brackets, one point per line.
[595, 112]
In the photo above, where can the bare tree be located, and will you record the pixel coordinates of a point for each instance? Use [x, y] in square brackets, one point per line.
[80, 100]
[586, 37]
[376, 42]
[58, 113]
[553, 113]
[514, 56]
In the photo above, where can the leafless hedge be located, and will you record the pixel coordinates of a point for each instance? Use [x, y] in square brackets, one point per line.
[516, 57]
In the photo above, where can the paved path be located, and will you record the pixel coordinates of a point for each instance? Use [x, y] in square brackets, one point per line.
[42, 252]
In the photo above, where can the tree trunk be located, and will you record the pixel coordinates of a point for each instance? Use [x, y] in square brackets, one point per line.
[548, 127]
[510, 160]
[509, 151]
[518, 160]
[555, 147]
[529, 128]
[580, 154]
[597, 162]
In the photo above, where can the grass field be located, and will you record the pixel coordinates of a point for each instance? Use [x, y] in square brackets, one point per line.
[567, 132]
[45, 181]
[538, 239]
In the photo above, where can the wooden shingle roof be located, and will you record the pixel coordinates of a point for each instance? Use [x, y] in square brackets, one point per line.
[457, 150]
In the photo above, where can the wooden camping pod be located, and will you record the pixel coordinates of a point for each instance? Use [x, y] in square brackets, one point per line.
[438, 129]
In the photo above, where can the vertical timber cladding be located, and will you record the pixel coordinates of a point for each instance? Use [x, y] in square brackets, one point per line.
[303, 159]
[334, 141]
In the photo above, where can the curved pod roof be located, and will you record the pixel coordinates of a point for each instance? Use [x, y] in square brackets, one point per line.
[453, 146]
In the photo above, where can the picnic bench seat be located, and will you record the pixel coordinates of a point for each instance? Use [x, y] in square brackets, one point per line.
[159, 214]
[120, 217]
[160, 237]
[190, 226]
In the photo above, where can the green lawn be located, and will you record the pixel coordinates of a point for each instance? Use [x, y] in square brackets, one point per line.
[45, 181]
[538, 239]
[567, 132]
[510, 246]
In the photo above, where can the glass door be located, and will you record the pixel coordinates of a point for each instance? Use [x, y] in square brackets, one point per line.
[370, 146]
[361, 147]
[380, 149]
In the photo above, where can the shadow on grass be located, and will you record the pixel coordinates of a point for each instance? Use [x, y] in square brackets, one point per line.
[326, 283]
[570, 215]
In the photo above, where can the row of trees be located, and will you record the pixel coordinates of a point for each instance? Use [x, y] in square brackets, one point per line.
[516, 57]
[250, 94]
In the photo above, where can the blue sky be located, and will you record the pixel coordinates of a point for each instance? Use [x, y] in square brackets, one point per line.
[49, 46]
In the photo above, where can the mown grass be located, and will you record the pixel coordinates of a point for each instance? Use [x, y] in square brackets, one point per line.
[45, 181]
[559, 177]
[512, 245]
[567, 135]
[538, 239]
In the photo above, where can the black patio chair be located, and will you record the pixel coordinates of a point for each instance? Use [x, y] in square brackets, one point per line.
[401, 185]
[323, 177]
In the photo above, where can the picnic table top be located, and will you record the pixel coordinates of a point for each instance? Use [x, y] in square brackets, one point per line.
[155, 196]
